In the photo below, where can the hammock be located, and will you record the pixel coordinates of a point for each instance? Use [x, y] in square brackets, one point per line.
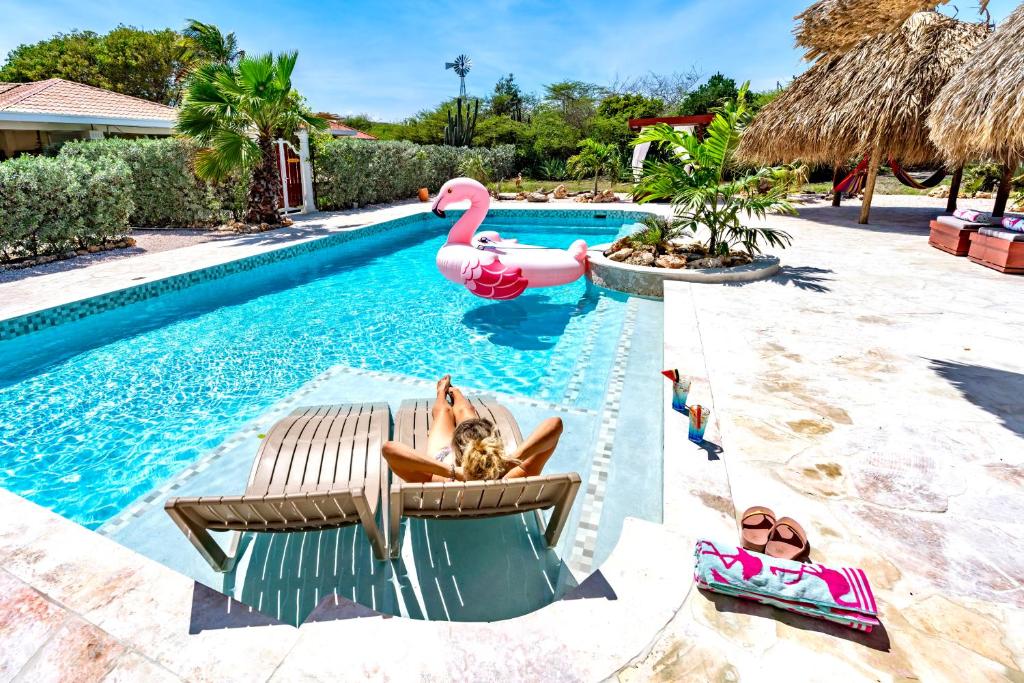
[905, 178]
[854, 183]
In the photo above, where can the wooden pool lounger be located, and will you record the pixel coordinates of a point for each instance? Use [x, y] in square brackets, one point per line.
[476, 499]
[319, 468]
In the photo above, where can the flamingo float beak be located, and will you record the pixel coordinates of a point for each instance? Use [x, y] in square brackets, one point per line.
[436, 208]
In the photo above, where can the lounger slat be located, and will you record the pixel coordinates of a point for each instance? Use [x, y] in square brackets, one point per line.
[286, 453]
[317, 446]
[329, 465]
[300, 454]
[266, 457]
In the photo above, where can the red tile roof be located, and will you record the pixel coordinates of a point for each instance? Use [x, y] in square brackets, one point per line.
[341, 130]
[57, 97]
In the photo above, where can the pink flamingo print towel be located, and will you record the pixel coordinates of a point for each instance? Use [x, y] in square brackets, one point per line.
[840, 595]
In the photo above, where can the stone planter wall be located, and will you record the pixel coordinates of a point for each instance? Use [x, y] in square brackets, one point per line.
[649, 281]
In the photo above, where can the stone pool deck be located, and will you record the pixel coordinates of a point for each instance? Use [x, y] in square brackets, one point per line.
[871, 390]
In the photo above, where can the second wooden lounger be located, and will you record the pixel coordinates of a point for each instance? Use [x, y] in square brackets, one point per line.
[476, 499]
[319, 468]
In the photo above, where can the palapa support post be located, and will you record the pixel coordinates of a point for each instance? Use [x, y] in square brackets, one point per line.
[837, 197]
[1003, 193]
[869, 185]
[954, 189]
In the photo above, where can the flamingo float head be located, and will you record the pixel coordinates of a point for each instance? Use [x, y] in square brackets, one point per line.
[457, 190]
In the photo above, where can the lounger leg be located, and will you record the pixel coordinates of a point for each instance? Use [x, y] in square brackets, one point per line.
[204, 542]
[370, 526]
[559, 515]
[394, 525]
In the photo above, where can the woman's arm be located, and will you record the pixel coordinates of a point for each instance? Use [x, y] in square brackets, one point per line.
[415, 467]
[533, 453]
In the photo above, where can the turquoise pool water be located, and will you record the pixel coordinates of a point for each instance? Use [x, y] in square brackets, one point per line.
[98, 411]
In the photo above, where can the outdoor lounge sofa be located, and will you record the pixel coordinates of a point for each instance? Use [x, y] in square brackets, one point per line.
[476, 499]
[319, 468]
[952, 234]
[999, 249]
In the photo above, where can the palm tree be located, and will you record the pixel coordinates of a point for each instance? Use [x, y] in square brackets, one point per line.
[594, 157]
[701, 181]
[205, 44]
[234, 113]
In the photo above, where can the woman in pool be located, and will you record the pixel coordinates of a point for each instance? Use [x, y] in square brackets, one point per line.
[462, 446]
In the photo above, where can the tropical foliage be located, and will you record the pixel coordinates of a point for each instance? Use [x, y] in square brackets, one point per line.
[234, 112]
[705, 187]
[594, 158]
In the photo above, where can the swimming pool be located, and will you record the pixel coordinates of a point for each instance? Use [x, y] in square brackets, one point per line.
[98, 411]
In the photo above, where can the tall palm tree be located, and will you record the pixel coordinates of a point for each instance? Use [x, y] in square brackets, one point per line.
[234, 113]
[594, 157]
[204, 43]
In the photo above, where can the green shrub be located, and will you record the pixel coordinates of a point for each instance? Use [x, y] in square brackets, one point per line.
[352, 173]
[54, 205]
[167, 193]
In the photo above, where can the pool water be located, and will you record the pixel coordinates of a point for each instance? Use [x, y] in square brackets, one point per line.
[97, 412]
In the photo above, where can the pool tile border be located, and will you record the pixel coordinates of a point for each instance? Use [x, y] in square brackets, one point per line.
[584, 546]
[76, 310]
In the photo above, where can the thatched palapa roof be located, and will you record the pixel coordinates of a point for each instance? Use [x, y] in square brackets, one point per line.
[833, 27]
[880, 90]
[980, 112]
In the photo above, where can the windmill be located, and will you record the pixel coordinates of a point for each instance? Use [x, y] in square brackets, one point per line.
[461, 65]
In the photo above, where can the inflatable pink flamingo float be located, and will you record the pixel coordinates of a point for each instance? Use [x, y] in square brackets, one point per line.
[487, 265]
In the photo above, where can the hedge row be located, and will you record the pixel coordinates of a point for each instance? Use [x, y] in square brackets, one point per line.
[166, 191]
[353, 173]
[55, 205]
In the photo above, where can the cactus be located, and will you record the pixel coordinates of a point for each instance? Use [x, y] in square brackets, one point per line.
[459, 131]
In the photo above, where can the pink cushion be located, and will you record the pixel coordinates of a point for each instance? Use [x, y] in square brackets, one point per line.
[1015, 223]
[972, 216]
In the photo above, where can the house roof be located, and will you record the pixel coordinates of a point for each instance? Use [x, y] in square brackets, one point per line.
[58, 100]
[339, 129]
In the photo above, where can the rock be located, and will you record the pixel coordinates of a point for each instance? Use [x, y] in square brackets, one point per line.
[647, 248]
[669, 261]
[69, 254]
[92, 249]
[983, 195]
[507, 196]
[81, 252]
[713, 262]
[942, 191]
[621, 254]
[536, 197]
[694, 257]
[561, 192]
[620, 243]
[45, 259]
[641, 259]
[520, 196]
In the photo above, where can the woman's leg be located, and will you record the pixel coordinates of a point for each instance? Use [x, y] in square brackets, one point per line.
[462, 408]
[443, 426]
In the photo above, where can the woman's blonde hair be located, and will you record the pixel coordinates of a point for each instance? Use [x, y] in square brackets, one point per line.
[480, 451]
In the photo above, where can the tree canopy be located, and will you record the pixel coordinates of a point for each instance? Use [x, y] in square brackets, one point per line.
[126, 60]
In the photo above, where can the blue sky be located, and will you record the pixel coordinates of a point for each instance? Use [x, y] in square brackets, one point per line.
[386, 59]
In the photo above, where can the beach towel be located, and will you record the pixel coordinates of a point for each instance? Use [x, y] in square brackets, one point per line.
[841, 595]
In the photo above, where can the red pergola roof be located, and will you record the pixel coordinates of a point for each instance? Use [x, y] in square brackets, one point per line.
[695, 120]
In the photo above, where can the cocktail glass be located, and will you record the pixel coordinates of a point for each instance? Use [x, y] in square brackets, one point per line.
[698, 423]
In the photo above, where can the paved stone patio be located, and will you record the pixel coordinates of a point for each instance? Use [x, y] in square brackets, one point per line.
[871, 390]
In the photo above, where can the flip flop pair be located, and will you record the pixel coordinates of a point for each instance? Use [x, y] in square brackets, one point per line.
[781, 538]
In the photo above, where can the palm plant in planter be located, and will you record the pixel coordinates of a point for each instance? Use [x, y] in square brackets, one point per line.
[705, 188]
[234, 112]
